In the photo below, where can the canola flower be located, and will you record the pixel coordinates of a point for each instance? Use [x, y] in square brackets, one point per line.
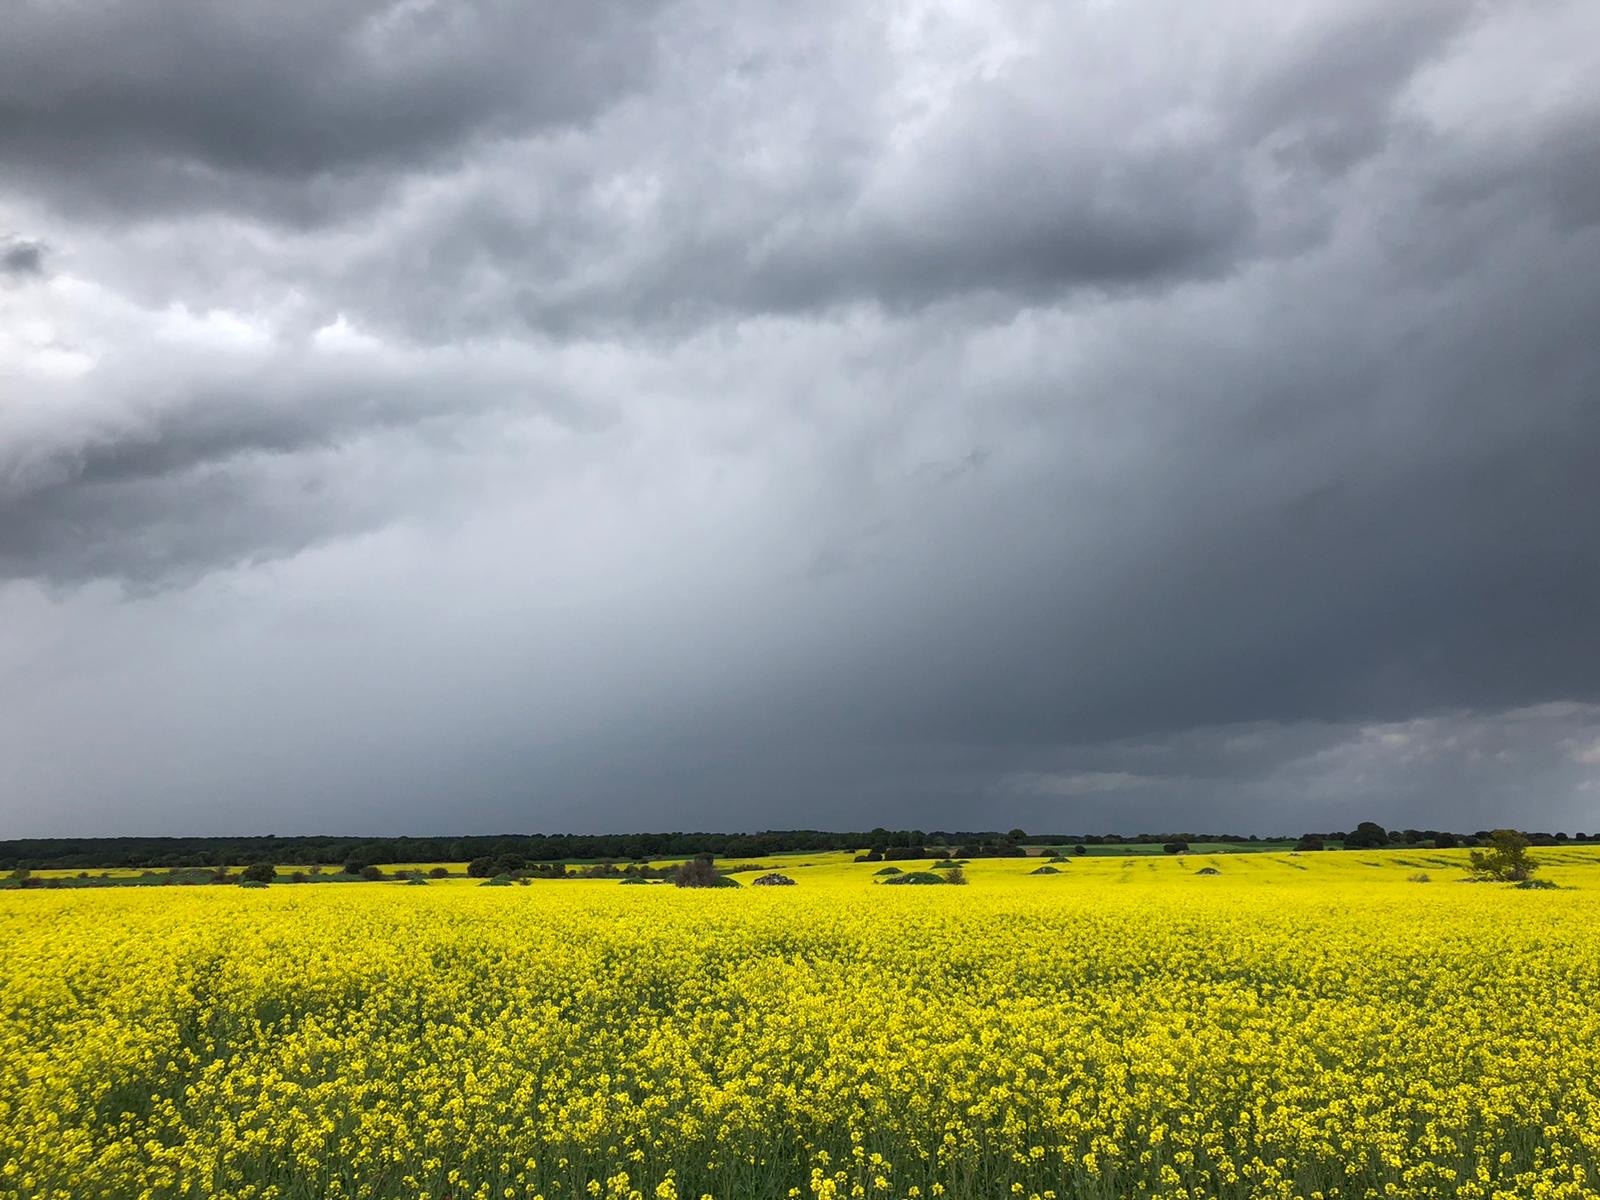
[1312, 1027]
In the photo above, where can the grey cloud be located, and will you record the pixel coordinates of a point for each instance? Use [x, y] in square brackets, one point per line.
[21, 258]
[734, 183]
[168, 477]
[119, 107]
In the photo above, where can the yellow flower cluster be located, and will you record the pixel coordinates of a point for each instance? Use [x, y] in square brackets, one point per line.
[1311, 1026]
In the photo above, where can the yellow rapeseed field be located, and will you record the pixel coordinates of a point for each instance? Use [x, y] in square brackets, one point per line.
[1294, 1026]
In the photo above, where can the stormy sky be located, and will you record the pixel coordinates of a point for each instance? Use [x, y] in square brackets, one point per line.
[473, 417]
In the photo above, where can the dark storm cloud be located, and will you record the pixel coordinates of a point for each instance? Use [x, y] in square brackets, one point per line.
[1060, 174]
[119, 106]
[1074, 416]
[21, 258]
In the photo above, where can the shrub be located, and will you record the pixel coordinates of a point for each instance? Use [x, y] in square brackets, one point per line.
[261, 872]
[371, 872]
[439, 873]
[1419, 877]
[1176, 847]
[1537, 885]
[918, 878]
[887, 871]
[1208, 871]
[252, 883]
[1045, 871]
[497, 881]
[701, 872]
[772, 880]
[416, 881]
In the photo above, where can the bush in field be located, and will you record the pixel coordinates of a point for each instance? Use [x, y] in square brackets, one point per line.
[1506, 858]
[701, 872]
[439, 873]
[923, 878]
[915, 879]
[262, 872]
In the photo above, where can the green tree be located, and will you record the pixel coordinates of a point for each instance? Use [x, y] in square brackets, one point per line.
[261, 872]
[1366, 836]
[1505, 858]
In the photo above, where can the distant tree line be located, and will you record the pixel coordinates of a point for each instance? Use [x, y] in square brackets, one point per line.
[1369, 835]
[352, 854]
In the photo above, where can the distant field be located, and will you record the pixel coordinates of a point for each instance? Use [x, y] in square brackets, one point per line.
[788, 858]
[1294, 1025]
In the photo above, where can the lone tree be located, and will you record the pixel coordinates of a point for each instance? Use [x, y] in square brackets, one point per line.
[1505, 859]
[700, 871]
[261, 872]
[1366, 836]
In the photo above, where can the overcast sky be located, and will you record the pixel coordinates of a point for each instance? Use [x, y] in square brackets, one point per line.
[468, 417]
